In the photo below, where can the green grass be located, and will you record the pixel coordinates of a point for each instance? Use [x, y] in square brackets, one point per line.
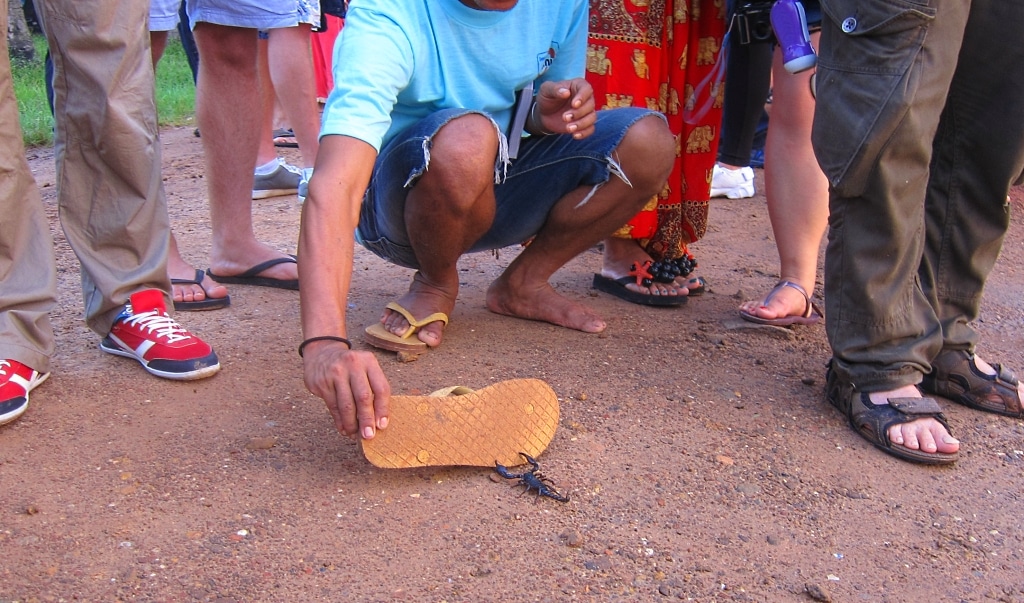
[175, 93]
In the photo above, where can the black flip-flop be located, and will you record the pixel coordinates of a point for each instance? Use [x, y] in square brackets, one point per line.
[250, 276]
[617, 287]
[702, 285]
[285, 133]
[210, 303]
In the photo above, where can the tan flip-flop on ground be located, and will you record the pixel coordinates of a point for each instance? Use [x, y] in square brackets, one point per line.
[460, 426]
[379, 337]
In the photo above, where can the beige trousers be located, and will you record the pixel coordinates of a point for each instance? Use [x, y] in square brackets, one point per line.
[111, 201]
[28, 275]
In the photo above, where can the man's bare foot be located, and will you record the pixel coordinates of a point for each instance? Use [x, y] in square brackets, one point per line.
[926, 435]
[236, 260]
[207, 288]
[422, 300]
[541, 303]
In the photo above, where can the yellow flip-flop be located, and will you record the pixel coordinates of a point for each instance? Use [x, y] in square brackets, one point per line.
[378, 336]
[460, 426]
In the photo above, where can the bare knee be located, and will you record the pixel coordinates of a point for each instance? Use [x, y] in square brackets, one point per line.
[647, 153]
[465, 150]
[226, 50]
[461, 166]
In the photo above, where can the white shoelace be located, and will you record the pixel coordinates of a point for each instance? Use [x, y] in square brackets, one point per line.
[161, 324]
[291, 168]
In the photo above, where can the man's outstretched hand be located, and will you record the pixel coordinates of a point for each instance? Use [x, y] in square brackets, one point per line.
[352, 385]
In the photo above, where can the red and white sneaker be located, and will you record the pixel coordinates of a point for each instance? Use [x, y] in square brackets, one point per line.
[16, 381]
[145, 332]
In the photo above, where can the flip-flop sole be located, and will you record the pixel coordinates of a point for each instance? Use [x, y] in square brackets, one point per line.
[619, 290]
[495, 423]
[379, 337]
[785, 321]
[210, 303]
[250, 276]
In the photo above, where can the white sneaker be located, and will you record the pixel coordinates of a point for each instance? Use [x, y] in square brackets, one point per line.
[307, 173]
[734, 184]
[284, 180]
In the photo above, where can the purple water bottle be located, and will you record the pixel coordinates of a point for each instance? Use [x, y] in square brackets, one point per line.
[790, 25]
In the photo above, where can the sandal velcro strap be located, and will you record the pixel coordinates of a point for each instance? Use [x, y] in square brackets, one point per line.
[916, 406]
[1006, 376]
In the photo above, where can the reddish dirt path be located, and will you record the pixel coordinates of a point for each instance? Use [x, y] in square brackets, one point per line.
[702, 461]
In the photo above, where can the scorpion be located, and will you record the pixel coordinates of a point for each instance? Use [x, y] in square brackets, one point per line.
[532, 479]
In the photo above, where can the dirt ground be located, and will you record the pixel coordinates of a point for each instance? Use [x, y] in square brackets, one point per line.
[701, 459]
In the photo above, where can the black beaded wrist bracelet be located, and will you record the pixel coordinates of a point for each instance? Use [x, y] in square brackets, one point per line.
[303, 345]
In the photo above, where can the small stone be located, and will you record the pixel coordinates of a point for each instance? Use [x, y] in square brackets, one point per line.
[808, 381]
[725, 460]
[817, 593]
[664, 590]
[261, 443]
[572, 538]
[31, 510]
[748, 488]
[408, 356]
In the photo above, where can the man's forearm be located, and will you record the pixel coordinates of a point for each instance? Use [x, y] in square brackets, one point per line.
[326, 235]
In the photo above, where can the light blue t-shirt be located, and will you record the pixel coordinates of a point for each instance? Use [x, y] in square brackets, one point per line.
[397, 61]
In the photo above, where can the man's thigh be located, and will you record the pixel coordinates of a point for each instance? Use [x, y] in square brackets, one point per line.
[549, 168]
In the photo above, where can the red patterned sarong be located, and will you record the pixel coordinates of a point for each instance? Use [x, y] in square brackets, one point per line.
[662, 54]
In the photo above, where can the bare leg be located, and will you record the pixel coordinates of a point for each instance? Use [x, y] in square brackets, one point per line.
[157, 45]
[291, 70]
[796, 190]
[229, 112]
[456, 197]
[646, 155]
[177, 267]
[266, 151]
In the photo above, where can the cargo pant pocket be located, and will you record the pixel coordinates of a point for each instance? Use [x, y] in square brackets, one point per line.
[866, 78]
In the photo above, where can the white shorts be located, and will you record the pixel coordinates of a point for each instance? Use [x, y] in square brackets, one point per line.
[254, 14]
[163, 15]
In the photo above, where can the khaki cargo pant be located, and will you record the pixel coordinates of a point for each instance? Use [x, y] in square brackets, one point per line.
[919, 127]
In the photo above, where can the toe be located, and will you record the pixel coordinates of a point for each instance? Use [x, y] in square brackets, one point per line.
[431, 334]
[187, 293]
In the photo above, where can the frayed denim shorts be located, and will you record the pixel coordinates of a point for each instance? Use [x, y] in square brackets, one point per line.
[546, 169]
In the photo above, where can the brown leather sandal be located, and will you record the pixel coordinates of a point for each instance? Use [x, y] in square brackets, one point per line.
[872, 421]
[955, 375]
